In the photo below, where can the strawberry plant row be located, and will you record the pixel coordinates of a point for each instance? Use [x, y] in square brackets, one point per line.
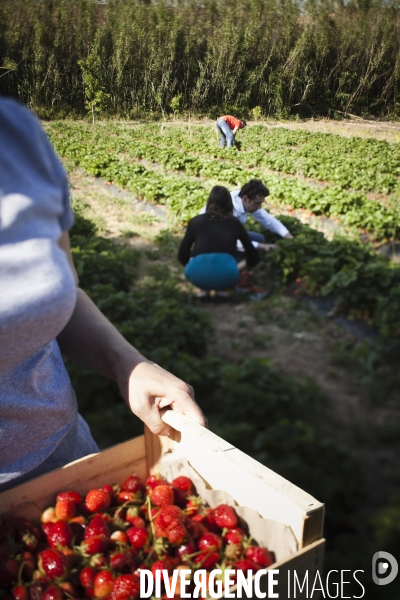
[112, 160]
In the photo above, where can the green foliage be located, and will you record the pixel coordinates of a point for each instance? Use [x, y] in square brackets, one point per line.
[285, 57]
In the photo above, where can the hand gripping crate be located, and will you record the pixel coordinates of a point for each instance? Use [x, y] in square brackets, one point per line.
[280, 515]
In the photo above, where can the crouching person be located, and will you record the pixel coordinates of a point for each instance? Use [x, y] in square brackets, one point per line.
[208, 249]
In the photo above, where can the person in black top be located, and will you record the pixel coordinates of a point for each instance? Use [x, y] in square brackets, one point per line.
[208, 249]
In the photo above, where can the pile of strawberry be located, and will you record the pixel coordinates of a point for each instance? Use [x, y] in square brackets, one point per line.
[94, 547]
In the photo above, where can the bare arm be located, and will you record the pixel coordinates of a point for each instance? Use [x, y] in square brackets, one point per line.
[90, 339]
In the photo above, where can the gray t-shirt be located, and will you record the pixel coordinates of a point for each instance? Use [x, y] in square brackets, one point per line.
[37, 295]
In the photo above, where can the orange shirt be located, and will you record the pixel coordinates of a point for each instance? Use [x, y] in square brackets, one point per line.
[232, 121]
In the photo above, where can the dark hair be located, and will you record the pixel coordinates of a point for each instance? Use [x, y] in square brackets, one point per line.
[219, 203]
[243, 122]
[253, 188]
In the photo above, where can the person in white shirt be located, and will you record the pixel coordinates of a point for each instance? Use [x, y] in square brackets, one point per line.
[248, 200]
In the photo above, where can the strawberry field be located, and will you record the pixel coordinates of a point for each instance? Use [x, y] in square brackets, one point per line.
[274, 417]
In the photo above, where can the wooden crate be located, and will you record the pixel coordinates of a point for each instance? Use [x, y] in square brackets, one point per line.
[289, 519]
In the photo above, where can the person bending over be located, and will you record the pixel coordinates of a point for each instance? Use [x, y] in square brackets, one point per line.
[43, 313]
[248, 200]
[208, 249]
[228, 126]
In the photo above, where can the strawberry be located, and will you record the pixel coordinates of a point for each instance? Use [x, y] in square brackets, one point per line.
[186, 549]
[119, 536]
[52, 563]
[234, 536]
[20, 592]
[153, 481]
[65, 509]
[210, 540]
[183, 483]
[53, 592]
[75, 497]
[124, 496]
[160, 565]
[97, 526]
[97, 500]
[260, 556]
[133, 484]
[123, 562]
[87, 576]
[103, 584]
[58, 534]
[133, 518]
[193, 505]
[245, 565]
[162, 495]
[97, 544]
[176, 532]
[137, 536]
[195, 530]
[225, 516]
[207, 560]
[126, 587]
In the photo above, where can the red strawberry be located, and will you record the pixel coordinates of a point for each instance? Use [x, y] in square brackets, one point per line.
[53, 592]
[53, 563]
[126, 587]
[97, 526]
[109, 489]
[103, 584]
[97, 500]
[87, 576]
[260, 556]
[123, 562]
[137, 536]
[153, 481]
[65, 509]
[186, 550]
[119, 536]
[162, 495]
[245, 565]
[176, 532]
[133, 518]
[234, 536]
[72, 495]
[159, 565]
[210, 540]
[133, 484]
[58, 534]
[20, 592]
[183, 483]
[97, 544]
[193, 505]
[124, 496]
[225, 516]
[195, 530]
[206, 559]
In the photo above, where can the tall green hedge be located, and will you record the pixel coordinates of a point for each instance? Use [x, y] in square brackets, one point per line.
[130, 56]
